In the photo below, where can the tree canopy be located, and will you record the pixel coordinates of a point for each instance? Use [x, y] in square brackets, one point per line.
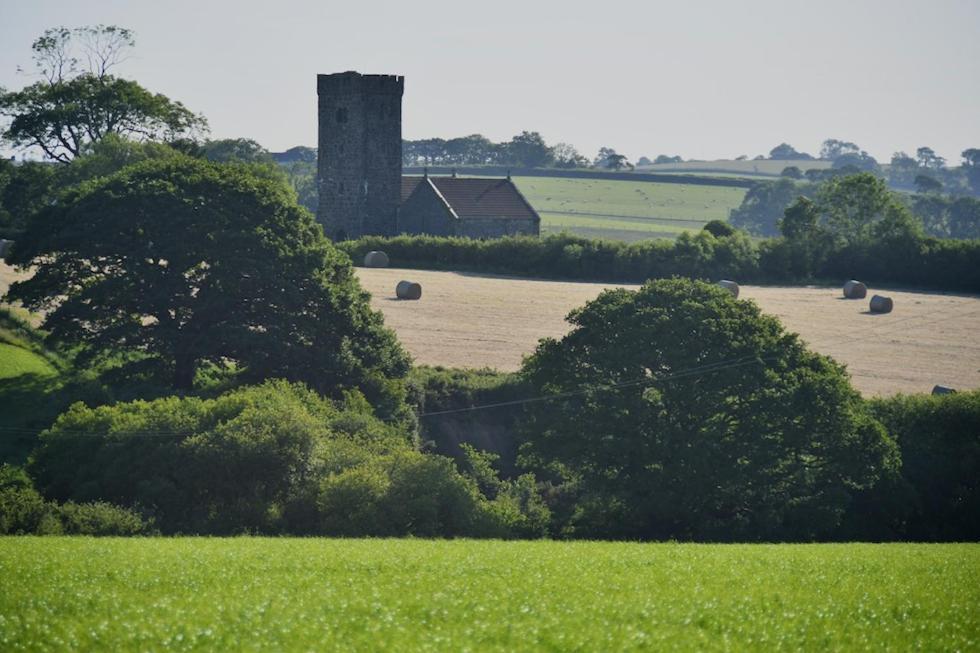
[188, 261]
[679, 411]
[73, 107]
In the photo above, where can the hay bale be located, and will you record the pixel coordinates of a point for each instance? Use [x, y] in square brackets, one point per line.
[5, 246]
[855, 290]
[881, 304]
[408, 290]
[376, 259]
[943, 390]
[730, 286]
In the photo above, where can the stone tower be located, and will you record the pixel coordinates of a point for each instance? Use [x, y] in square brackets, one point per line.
[359, 160]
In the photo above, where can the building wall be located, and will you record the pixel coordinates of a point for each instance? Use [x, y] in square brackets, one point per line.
[497, 227]
[424, 213]
[359, 157]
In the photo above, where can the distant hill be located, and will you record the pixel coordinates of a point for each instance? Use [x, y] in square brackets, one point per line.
[761, 168]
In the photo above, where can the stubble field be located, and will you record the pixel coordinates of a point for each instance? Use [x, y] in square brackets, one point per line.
[469, 320]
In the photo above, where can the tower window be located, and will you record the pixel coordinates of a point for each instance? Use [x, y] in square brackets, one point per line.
[342, 114]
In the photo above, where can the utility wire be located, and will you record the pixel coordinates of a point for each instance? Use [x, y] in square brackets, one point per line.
[700, 370]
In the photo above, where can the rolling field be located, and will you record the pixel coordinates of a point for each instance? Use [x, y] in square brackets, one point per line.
[15, 361]
[470, 320]
[397, 595]
[626, 210]
[764, 168]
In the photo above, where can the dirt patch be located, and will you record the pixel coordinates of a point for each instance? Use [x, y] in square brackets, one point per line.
[467, 320]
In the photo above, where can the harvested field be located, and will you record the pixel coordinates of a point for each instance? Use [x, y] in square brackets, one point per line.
[470, 320]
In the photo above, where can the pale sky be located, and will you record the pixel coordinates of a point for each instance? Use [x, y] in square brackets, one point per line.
[703, 79]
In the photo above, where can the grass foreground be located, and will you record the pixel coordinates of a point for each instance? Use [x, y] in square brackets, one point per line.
[323, 594]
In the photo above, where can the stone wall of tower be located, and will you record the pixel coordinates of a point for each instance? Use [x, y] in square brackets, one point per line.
[359, 158]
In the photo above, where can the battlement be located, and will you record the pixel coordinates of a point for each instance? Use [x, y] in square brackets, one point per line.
[354, 83]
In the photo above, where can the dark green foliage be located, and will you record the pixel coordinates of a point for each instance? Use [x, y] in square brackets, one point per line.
[763, 206]
[768, 445]
[275, 458]
[494, 430]
[230, 464]
[80, 102]
[24, 189]
[404, 493]
[100, 518]
[806, 242]
[719, 229]
[108, 156]
[62, 117]
[920, 261]
[235, 150]
[948, 217]
[23, 511]
[193, 262]
[936, 495]
[791, 172]
[571, 257]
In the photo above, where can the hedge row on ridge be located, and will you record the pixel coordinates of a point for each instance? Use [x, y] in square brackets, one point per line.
[925, 262]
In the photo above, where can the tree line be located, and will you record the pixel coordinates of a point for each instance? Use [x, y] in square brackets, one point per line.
[224, 373]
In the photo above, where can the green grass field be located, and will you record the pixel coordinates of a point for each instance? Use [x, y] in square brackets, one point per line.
[406, 595]
[15, 361]
[626, 210]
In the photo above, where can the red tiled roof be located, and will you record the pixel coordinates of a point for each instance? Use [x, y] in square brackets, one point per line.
[477, 198]
[408, 186]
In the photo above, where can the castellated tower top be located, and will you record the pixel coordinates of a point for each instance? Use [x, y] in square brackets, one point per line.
[359, 158]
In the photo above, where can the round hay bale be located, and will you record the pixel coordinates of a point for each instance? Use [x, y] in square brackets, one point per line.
[730, 286]
[855, 290]
[5, 246]
[408, 290]
[881, 304]
[375, 259]
[943, 390]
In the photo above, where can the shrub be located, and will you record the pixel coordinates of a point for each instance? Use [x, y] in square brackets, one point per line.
[275, 458]
[100, 518]
[225, 465]
[936, 494]
[719, 229]
[23, 511]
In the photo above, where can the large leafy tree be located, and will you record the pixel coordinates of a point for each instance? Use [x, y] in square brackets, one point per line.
[678, 411]
[78, 104]
[24, 189]
[189, 261]
[857, 208]
[763, 206]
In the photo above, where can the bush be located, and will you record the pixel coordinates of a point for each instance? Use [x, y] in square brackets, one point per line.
[100, 518]
[23, 511]
[271, 459]
[936, 494]
[719, 229]
[225, 465]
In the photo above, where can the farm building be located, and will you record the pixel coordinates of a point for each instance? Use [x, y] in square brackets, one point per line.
[471, 207]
